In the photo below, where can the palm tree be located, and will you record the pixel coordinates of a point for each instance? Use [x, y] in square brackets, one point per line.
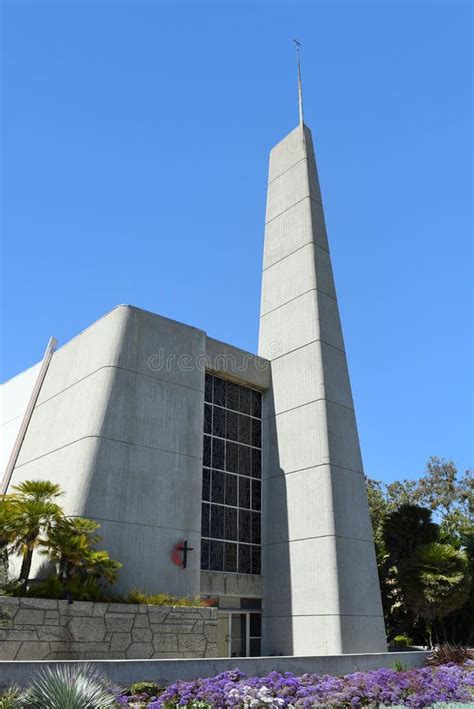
[435, 581]
[6, 534]
[33, 514]
[69, 544]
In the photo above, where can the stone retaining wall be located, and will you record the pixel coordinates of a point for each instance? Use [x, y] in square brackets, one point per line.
[41, 629]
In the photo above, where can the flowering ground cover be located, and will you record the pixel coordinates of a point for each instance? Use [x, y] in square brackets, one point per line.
[443, 686]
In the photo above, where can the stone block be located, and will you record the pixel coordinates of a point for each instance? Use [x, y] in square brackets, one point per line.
[9, 601]
[119, 623]
[210, 631]
[51, 618]
[211, 650]
[120, 641]
[29, 616]
[173, 627]
[49, 632]
[39, 603]
[100, 609]
[191, 643]
[82, 608]
[8, 650]
[33, 651]
[20, 635]
[141, 621]
[164, 642]
[157, 615]
[140, 651]
[87, 629]
[123, 608]
[142, 635]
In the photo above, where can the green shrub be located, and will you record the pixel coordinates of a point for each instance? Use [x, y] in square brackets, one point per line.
[403, 640]
[52, 587]
[161, 599]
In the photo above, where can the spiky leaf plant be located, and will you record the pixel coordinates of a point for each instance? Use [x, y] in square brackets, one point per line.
[68, 687]
[450, 652]
[11, 698]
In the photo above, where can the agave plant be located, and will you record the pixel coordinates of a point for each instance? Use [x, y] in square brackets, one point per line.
[68, 687]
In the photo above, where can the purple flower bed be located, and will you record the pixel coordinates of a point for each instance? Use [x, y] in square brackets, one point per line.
[411, 688]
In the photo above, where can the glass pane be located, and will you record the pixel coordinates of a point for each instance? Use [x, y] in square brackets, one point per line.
[244, 493]
[230, 557]
[244, 559]
[216, 555]
[231, 490]
[256, 403]
[232, 425]
[232, 396]
[208, 387]
[256, 464]
[205, 526]
[217, 488]
[255, 522]
[255, 647]
[238, 634]
[217, 522]
[230, 523]
[218, 448]
[207, 452]
[207, 418]
[219, 391]
[244, 429]
[218, 423]
[245, 532]
[255, 625]
[204, 554]
[256, 560]
[256, 495]
[244, 400]
[256, 433]
[232, 457]
[206, 484]
[244, 460]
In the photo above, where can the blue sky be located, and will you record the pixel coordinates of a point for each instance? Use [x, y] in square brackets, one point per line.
[135, 144]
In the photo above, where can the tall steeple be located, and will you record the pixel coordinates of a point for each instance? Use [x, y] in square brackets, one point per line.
[321, 585]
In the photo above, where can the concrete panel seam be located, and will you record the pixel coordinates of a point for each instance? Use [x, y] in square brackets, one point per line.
[291, 168]
[319, 536]
[310, 467]
[308, 403]
[308, 196]
[311, 290]
[122, 369]
[306, 344]
[114, 440]
[307, 243]
[141, 524]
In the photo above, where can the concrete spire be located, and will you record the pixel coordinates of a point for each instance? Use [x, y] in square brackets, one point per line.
[300, 85]
[319, 568]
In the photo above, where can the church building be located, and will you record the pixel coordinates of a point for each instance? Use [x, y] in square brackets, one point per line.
[216, 472]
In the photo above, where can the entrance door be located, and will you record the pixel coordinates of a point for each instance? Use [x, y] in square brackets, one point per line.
[239, 634]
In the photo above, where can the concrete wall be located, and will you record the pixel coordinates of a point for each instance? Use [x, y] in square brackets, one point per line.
[14, 396]
[119, 425]
[37, 629]
[167, 671]
[321, 586]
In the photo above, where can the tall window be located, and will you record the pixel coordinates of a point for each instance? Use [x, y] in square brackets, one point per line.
[231, 482]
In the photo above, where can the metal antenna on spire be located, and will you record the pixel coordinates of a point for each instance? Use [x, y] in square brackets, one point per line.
[300, 86]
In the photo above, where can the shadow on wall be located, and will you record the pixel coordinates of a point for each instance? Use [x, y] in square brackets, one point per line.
[146, 474]
[277, 619]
